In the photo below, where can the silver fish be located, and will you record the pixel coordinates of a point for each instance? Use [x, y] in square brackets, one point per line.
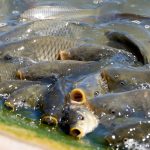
[78, 121]
[56, 12]
[44, 28]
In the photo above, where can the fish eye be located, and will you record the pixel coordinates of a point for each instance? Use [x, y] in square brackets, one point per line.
[122, 83]
[23, 101]
[113, 112]
[125, 139]
[7, 57]
[80, 117]
[96, 93]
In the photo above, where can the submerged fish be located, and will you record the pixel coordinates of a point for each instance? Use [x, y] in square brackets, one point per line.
[121, 78]
[53, 105]
[93, 52]
[38, 48]
[122, 104]
[125, 17]
[7, 87]
[137, 130]
[59, 68]
[138, 46]
[27, 97]
[44, 28]
[8, 68]
[78, 121]
[57, 12]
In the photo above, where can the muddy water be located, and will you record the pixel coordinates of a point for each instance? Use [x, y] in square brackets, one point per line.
[107, 19]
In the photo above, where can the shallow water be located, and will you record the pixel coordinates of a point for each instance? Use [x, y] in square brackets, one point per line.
[100, 23]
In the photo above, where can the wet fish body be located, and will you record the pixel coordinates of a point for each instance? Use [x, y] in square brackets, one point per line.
[44, 28]
[123, 103]
[27, 97]
[139, 47]
[93, 52]
[9, 68]
[138, 131]
[7, 87]
[56, 12]
[58, 68]
[37, 49]
[53, 105]
[121, 78]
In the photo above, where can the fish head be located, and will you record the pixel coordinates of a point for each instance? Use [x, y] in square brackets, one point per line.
[88, 88]
[79, 121]
[118, 79]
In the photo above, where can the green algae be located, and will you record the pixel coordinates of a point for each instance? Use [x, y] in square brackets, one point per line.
[28, 121]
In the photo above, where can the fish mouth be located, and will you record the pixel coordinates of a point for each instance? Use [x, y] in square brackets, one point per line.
[76, 132]
[78, 96]
[9, 106]
[64, 55]
[50, 120]
[104, 81]
[20, 75]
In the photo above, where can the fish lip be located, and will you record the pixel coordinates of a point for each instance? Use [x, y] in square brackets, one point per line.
[76, 132]
[78, 96]
[104, 81]
[20, 74]
[64, 55]
[9, 105]
[50, 120]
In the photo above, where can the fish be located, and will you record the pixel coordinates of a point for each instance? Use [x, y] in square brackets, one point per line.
[57, 12]
[93, 52]
[44, 28]
[136, 130]
[38, 48]
[139, 47]
[123, 104]
[53, 105]
[125, 78]
[87, 88]
[9, 86]
[78, 121]
[27, 97]
[8, 68]
[58, 68]
[124, 17]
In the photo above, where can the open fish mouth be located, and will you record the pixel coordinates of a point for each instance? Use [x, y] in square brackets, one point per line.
[20, 75]
[103, 82]
[9, 106]
[76, 132]
[50, 120]
[78, 96]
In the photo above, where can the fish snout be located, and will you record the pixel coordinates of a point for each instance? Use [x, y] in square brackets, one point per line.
[20, 74]
[50, 120]
[77, 133]
[9, 106]
[78, 96]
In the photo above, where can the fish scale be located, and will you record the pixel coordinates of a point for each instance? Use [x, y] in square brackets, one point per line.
[56, 12]
[44, 28]
[45, 48]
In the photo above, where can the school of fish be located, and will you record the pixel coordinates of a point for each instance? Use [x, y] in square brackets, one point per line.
[82, 68]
